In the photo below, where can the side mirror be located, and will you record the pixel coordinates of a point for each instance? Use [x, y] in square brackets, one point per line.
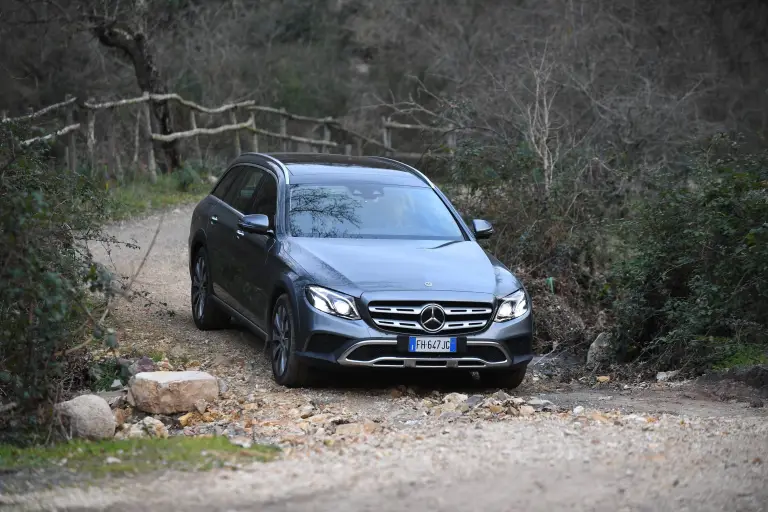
[482, 228]
[257, 223]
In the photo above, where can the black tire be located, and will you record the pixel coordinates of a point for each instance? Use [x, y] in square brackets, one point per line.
[287, 369]
[504, 379]
[205, 312]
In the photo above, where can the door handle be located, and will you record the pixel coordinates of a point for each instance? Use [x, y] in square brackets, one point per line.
[240, 233]
[214, 219]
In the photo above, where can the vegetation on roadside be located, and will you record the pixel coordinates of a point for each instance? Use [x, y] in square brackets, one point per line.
[53, 291]
[137, 197]
[96, 459]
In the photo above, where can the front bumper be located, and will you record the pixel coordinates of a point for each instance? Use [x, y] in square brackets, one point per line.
[328, 340]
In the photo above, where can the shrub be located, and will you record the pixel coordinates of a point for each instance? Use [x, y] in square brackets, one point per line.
[46, 218]
[694, 289]
[558, 243]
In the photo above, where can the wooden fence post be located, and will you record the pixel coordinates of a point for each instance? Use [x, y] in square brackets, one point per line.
[136, 141]
[151, 164]
[284, 130]
[195, 139]
[71, 146]
[451, 138]
[326, 137]
[254, 135]
[236, 140]
[386, 135]
[91, 139]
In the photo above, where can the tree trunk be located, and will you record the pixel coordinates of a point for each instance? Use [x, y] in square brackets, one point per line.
[137, 49]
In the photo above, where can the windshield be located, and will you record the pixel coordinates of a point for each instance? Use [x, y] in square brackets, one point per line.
[366, 210]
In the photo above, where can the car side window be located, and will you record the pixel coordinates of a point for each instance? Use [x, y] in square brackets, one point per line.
[225, 184]
[245, 189]
[265, 201]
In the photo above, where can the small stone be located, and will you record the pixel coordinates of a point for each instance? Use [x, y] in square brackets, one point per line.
[604, 398]
[464, 408]
[164, 366]
[154, 428]
[116, 384]
[603, 379]
[112, 460]
[454, 398]
[665, 376]
[539, 403]
[144, 364]
[501, 396]
[395, 393]
[450, 416]
[579, 409]
[223, 386]
[349, 429]
[474, 400]
[526, 410]
[600, 351]
[86, 417]
[517, 401]
[201, 405]
[370, 427]
[756, 403]
[121, 416]
[495, 408]
[307, 411]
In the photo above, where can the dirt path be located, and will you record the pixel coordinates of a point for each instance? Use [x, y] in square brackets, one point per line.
[387, 444]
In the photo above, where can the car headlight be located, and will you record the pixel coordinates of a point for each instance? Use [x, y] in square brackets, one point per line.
[512, 306]
[333, 303]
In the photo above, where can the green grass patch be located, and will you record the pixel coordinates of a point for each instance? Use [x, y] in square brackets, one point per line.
[133, 456]
[139, 197]
[742, 355]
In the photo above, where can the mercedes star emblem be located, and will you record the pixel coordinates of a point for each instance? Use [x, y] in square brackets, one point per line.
[432, 317]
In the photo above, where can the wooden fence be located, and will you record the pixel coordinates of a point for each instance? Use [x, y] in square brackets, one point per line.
[242, 118]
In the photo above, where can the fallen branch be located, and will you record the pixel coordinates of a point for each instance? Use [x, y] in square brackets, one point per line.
[125, 293]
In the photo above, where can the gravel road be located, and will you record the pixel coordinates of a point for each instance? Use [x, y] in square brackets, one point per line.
[650, 447]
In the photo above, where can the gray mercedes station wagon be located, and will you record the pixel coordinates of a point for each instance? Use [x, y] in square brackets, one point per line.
[343, 261]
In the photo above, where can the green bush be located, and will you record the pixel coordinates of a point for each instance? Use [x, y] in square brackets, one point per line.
[46, 218]
[694, 288]
[557, 242]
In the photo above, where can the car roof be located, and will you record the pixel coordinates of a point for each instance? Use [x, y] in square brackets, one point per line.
[319, 168]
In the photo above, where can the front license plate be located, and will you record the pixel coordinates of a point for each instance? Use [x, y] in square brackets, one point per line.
[431, 344]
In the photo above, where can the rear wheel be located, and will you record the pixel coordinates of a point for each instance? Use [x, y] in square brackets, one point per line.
[287, 368]
[505, 379]
[205, 312]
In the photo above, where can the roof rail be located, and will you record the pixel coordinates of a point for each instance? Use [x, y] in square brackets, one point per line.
[406, 167]
[275, 161]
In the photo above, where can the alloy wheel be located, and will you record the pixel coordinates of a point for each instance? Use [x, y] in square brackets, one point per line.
[199, 284]
[281, 339]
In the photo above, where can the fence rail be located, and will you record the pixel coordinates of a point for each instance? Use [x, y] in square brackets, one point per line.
[91, 108]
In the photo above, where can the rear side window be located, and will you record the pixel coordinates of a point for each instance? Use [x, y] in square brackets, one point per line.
[225, 184]
[242, 191]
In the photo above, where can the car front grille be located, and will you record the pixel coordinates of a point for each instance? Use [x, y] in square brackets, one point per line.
[404, 317]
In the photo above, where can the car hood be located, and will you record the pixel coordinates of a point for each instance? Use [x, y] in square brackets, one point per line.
[401, 265]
